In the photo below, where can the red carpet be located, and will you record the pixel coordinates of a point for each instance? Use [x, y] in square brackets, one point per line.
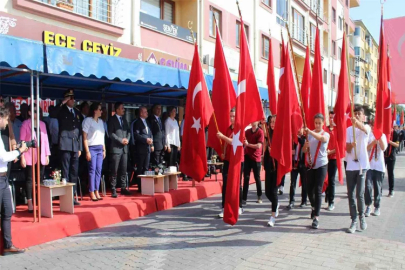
[92, 215]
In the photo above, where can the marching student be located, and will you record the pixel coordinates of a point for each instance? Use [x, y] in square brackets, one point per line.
[356, 169]
[390, 158]
[332, 165]
[253, 155]
[227, 145]
[270, 167]
[375, 175]
[298, 169]
[317, 146]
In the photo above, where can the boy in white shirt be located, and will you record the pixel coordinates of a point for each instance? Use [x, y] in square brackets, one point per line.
[357, 166]
[375, 175]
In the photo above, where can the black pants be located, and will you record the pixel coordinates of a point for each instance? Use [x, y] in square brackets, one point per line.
[70, 167]
[374, 180]
[118, 166]
[315, 179]
[28, 178]
[142, 165]
[171, 158]
[225, 181]
[390, 163]
[271, 189]
[6, 208]
[157, 157]
[250, 165]
[330, 191]
[302, 171]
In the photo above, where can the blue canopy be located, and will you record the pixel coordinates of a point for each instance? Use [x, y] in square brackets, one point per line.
[93, 76]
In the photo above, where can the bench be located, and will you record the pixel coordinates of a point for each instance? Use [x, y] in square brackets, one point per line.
[65, 193]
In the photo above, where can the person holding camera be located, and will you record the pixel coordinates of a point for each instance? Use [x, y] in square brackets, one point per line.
[6, 203]
[29, 158]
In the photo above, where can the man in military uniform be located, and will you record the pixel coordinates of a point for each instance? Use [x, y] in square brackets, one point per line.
[70, 138]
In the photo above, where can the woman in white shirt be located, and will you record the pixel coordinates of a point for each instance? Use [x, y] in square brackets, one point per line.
[172, 137]
[317, 146]
[93, 141]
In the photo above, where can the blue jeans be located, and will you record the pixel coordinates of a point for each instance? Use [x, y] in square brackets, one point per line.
[95, 167]
[6, 209]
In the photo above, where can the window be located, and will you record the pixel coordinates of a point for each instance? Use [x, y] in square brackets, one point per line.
[265, 47]
[325, 76]
[357, 70]
[162, 9]
[357, 31]
[340, 23]
[362, 72]
[356, 51]
[333, 81]
[298, 26]
[238, 33]
[340, 53]
[281, 12]
[334, 47]
[267, 2]
[333, 15]
[347, 3]
[356, 89]
[347, 28]
[312, 36]
[218, 17]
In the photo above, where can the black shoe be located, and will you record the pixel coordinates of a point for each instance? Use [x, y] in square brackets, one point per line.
[125, 192]
[315, 224]
[114, 194]
[290, 206]
[76, 203]
[303, 204]
[13, 250]
[312, 214]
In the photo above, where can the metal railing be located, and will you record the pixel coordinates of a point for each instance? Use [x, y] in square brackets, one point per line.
[108, 11]
[298, 33]
[314, 7]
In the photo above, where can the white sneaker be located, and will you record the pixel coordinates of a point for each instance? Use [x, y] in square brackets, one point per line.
[240, 210]
[221, 215]
[368, 211]
[272, 222]
[376, 212]
[277, 210]
[259, 199]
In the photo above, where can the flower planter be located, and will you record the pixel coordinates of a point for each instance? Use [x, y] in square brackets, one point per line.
[67, 6]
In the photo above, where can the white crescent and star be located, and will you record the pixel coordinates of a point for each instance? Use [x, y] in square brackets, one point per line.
[236, 142]
[198, 88]
[389, 89]
[196, 124]
[241, 88]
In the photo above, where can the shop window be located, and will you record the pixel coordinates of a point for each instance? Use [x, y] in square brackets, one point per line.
[218, 16]
[238, 33]
[265, 47]
[162, 9]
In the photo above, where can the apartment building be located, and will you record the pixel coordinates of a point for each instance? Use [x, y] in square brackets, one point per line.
[366, 52]
[157, 31]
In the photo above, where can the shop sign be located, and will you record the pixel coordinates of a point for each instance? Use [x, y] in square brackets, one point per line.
[61, 40]
[164, 59]
[44, 104]
[165, 27]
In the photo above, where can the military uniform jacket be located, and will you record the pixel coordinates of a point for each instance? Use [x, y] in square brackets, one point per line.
[70, 130]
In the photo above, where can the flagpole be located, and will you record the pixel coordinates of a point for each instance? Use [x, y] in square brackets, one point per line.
[299, 90]
[190, 27]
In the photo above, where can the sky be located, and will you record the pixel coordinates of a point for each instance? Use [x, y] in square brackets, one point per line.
[369, 12]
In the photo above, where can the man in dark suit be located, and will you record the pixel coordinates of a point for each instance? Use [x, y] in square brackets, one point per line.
[143, 143]
[119, 133]
[159, 135]
[70, 138]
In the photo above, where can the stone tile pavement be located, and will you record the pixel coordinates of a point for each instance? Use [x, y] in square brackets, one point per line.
[191, 237]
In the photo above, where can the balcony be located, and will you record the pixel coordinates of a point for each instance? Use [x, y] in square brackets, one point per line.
[317, 7]
[354, 3]
[298, 33]
[107, 11]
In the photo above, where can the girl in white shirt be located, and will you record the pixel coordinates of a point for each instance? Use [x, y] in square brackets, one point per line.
[172, 137]
[93, 141]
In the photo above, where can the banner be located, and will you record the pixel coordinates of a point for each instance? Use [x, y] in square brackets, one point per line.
[44, 104]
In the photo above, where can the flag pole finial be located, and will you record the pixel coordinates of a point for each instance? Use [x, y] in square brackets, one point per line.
[190, 27]
[240, 13]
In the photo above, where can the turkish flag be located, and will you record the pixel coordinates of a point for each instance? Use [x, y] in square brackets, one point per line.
[317, 100]
[306, 84]
[223, 97]
[271, 84]
[285, 128]
[248, 109]
[341, 107]
[199, 109]
[391, 99]
[282, 66]
[401, 120]
[382, 123]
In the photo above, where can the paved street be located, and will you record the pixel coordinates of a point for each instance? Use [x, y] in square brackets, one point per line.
[191, 237]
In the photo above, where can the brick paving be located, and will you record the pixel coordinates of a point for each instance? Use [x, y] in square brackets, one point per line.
[191, 237]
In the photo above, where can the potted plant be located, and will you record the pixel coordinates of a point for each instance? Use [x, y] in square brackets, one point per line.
[65, 4]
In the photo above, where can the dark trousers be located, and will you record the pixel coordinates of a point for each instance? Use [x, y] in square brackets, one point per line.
[171, 158]
[302, 171]
[225, 170]
[390, 163]
[282, 181]
[315, 179]
[374, 180]
[355, 190]
[157, 157]
[118, 166]
[70, 167]
[142, 163]
[250, 165]
[271, 189]
[330, 191]
[28, 178]
[95, 167]
[6, 208]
